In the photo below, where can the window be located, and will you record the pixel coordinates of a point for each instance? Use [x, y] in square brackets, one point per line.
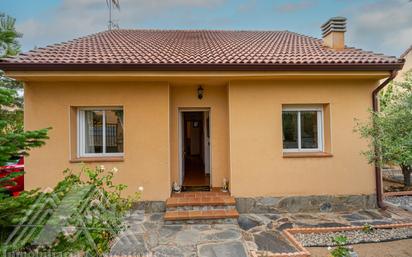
[302, 129]
[100, 132]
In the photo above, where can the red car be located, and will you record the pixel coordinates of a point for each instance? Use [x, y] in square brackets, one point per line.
[15, 165]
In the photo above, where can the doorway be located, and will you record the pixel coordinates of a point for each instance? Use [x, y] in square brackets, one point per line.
[194, 152]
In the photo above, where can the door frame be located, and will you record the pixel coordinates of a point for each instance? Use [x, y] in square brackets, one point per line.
[180, 139]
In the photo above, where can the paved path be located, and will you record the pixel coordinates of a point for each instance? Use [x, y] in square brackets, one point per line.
[147, 234]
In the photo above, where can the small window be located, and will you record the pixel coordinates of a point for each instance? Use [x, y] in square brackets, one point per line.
[302, 129]
[100, 132]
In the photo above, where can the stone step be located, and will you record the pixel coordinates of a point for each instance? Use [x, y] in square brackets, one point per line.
[200, 194]
[222, 216]
[201, 207]
[200, 201]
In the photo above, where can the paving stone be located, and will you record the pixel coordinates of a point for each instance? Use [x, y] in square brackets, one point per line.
[167, 251]
[226, 226]
[247, 222]
[285, 226]
[373, 222]
[326, 207]
[135, 217]
[257, 229]
[150, 206]
[187, 237]
[354, 217]
[150, 225]
[273, 216]
[273, 241]
[371, 214]
[129, 244]
[283, 220]
[224, 249]
[201, 227]
[245, 205]
[305, 216]
[224, 235]
[330, 225]
[167, 231]
[136, 228]
[252, 246]
[156, 217]
[152, 239]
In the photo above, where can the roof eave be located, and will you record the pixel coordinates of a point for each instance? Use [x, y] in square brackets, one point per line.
[202, 67]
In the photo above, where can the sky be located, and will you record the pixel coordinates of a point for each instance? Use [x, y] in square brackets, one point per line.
[382, 26]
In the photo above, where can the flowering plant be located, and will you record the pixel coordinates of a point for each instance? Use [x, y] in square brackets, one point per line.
[104, 213]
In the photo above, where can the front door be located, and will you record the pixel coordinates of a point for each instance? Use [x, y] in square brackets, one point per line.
[195, 150]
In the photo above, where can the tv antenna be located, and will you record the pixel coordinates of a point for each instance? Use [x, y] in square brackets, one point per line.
[116, 5]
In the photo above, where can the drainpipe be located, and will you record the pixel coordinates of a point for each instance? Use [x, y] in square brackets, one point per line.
[378, 172]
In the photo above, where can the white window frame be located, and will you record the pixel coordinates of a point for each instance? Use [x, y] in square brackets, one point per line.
[299, 109]
[81, 125]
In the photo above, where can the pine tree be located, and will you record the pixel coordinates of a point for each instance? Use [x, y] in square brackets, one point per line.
[14, 140]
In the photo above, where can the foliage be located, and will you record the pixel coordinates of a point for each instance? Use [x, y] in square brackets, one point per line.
[102, 218]
[390, 131]
[385, 96]
[9, 45]
[13, 209]
[101, 224]
[367, 228]
[13, 139]
[7, 180]
[340, 250]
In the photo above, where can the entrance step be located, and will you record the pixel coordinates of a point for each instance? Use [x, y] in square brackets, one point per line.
[209, 216]
[201, 207]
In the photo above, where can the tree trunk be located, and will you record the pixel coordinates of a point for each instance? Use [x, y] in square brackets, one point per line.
[406, 170]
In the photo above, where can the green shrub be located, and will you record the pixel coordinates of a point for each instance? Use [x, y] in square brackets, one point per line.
[340, 250]
[102, 219]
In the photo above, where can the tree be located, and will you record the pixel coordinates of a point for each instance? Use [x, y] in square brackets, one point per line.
[13, 139]
[9, 44]
[390, 131]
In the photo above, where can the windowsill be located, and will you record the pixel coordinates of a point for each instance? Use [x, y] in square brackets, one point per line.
[307, 155]
[98, 159]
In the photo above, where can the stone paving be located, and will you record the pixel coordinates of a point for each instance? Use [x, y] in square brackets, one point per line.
[148, 235]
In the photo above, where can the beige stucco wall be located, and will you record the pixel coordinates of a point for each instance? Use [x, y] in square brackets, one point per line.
[246, 136]
[258, 167]
[146, 137]
[406, 67]
[215, 98]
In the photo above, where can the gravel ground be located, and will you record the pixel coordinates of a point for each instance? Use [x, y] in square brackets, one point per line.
[354, 237]
[400, 200]
[398, 248]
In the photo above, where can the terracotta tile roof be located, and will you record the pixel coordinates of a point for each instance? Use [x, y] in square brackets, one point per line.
[203, 47]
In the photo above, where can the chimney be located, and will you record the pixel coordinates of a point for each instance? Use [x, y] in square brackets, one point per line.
[333, 33]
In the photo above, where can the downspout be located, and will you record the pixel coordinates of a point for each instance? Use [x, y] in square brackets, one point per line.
[378, 172]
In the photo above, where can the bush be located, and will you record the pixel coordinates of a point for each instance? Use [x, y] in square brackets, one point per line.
[93, 206]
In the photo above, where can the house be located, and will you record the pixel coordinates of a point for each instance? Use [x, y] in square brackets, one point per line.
[271, 112]
[407, 55]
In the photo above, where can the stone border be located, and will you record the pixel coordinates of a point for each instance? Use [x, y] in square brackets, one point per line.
[309, 203]
[399, 193]
[149, 206]
[303, 252]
